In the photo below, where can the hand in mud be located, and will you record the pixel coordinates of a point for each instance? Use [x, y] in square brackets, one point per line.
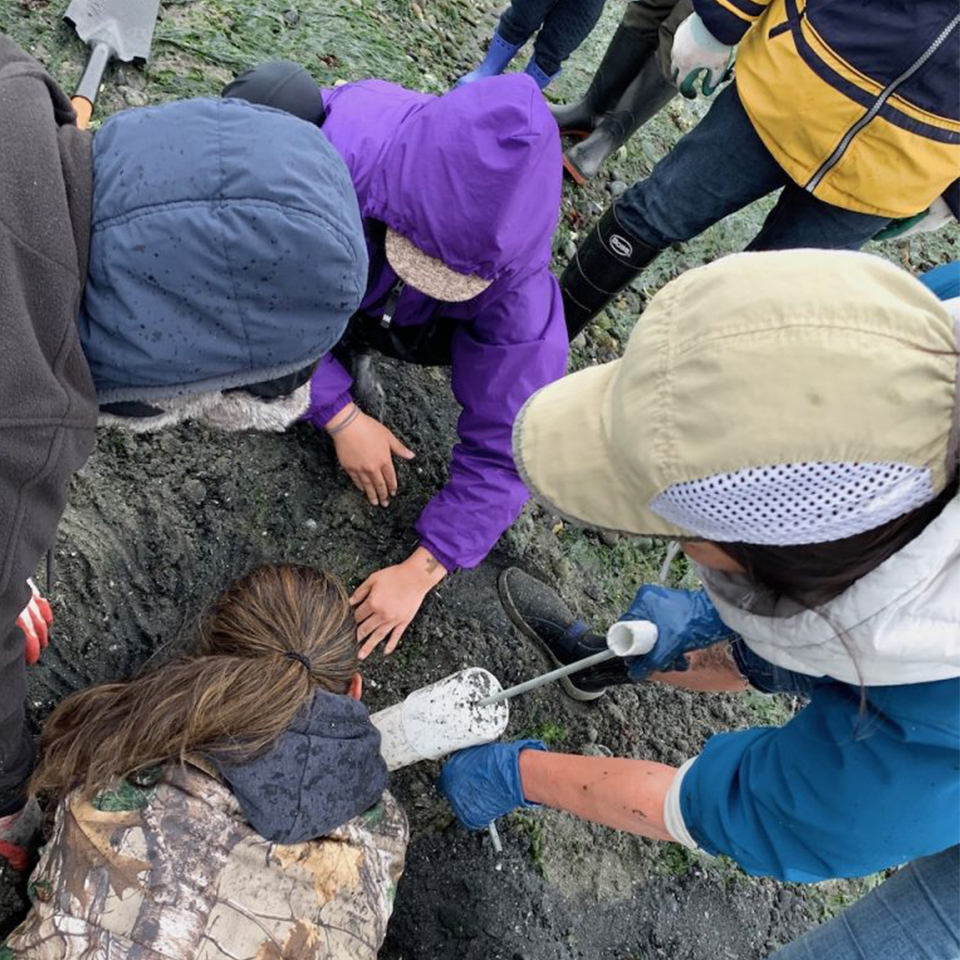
[365, 449]
[386, 602]
[35, 623]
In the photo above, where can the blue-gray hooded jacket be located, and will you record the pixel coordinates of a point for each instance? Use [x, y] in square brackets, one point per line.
[226, 249]
[323, 771]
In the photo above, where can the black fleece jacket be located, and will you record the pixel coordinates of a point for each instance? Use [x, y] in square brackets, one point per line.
[47, 408]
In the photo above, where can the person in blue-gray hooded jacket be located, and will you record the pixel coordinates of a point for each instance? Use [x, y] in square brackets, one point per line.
[187, 262]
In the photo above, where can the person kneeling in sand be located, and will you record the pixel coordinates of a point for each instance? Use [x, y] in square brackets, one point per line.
[459, 196]
[230, 802]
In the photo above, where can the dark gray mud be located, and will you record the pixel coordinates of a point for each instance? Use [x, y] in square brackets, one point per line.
[158, 524]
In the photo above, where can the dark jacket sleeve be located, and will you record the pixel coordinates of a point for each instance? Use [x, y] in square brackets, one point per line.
[729, 20]
[47, 407]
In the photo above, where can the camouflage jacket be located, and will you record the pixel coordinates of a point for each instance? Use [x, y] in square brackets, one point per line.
[174, 872]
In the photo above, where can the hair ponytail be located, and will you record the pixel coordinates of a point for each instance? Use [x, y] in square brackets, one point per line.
[264, 648]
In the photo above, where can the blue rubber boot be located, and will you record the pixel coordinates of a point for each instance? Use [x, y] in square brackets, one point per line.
[499, 54]
[532, 70]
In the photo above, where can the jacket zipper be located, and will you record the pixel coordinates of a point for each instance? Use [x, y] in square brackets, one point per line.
[389, 308]
[884, 96]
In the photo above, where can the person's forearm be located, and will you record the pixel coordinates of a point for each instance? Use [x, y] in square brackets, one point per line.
[617, 792]
[712, 670]
[426, 566]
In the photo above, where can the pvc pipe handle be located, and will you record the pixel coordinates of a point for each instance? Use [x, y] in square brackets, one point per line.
[632, 638]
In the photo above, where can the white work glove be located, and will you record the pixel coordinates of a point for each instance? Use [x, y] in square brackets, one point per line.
[698, 53]
[35, 622]
[937, 215]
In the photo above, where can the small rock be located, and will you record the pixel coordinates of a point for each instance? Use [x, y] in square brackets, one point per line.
[194, 491]
[591, 734]
[291, 17]
[135, 97]
[596, 750]
[310, 524]
[569, 249]
[609, 537]
[617, 189]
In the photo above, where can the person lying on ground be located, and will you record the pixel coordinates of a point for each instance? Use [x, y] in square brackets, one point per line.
[460, 197]
[801, 439]
[560, 25]
[632, 84]
[229, 803]
[170, 267]
[857, 121]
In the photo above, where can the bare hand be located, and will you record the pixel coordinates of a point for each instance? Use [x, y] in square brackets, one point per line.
[365, 449]
[386, 602]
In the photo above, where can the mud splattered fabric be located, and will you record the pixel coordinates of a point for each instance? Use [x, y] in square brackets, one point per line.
[176, 873]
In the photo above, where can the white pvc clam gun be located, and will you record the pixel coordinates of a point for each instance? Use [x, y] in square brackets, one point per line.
[441, 718]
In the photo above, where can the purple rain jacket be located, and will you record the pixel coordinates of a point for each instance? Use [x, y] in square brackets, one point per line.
[473, 178]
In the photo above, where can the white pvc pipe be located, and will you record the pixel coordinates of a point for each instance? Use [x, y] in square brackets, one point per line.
[441, 718]
[632, 638]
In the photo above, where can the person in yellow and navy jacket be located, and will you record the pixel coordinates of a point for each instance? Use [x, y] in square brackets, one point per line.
[853, 108]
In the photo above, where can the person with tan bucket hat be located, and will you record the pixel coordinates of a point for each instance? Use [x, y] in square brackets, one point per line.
[460, 196]
[792, 417]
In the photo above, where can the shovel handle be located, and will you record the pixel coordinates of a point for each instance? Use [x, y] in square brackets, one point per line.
[83, 109]
[89, 84]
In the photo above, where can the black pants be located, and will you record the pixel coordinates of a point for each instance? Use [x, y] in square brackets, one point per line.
[563, 26]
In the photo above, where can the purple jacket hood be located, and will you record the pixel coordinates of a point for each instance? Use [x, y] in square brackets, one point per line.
[408, 154]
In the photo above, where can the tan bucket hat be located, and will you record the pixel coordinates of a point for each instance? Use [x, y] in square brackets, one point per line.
[428, 274]
[788, 397]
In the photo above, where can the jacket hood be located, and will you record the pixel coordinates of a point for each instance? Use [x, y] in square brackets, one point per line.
[227, 249]
[899, 624]
[472, 177]
[323, 771]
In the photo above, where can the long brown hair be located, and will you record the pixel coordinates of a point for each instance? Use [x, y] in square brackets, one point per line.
[264, 647]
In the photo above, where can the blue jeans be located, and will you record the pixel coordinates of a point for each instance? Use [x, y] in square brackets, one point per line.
[717, 169]
[563, 26]
[915, 915]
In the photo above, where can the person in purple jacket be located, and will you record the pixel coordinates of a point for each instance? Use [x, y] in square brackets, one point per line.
[459, 196]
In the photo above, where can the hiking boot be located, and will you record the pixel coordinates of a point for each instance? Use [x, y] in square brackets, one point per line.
[625, 53]
[603, 265]
[499, 54]
[542, 79]
[541, 615]
[648, 93]
[20, 834]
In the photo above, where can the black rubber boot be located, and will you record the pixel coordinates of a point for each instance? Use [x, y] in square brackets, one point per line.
[602, 266]
[647, 95]
[543, 617]
[625, 53]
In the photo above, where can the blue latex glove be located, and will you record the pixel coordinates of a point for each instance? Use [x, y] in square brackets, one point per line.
[483, 783]
[686, 620]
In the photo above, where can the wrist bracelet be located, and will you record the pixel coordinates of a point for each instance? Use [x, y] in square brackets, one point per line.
[333, 431]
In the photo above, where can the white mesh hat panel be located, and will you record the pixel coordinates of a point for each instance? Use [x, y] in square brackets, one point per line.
[794, 503]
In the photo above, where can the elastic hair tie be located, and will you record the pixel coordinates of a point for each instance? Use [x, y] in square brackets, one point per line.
[299, 657]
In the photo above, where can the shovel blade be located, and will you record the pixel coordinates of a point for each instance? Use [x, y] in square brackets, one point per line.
[126, 26]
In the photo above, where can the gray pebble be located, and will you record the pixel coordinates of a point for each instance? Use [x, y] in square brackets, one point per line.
[569, 249]
[617, 189]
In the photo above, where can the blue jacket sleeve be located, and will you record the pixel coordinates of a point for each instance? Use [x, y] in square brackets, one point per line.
[517, 344]
[836, 792]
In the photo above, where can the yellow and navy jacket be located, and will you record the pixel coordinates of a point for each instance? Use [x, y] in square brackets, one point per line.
[858, 101]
